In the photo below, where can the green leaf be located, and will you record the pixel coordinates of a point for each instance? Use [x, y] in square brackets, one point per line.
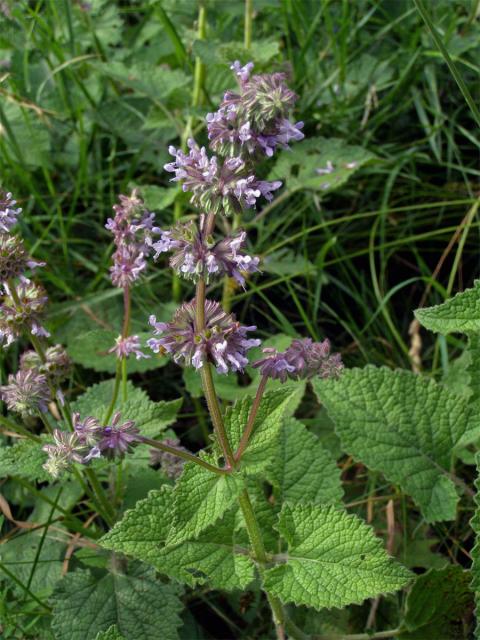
[298, 168]
[200, 499]
[19, 556]
[438, 605]
[475, 525]
[304, 471]
[142, 607]
[404, 426]
[25, 458]
[333, 559]
[262, 447]
[459, 314]
[474, 366]
[90, 349]
[146, 79]
[112, 633]
[212, 557]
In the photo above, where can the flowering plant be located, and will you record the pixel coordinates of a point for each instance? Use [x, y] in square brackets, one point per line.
[260, 505]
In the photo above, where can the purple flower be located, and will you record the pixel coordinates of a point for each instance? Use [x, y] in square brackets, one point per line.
[26, 393]
[8, 212]
[126, 346]
[87, 430]
[117, 439]
[128, 264]
[132, 228]
[242, 73]
[223, 341]
[303, 359]
[195, 255]
[216, 187]
[21, 312]
[255, 120]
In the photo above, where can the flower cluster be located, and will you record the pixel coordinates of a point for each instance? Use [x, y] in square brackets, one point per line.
[303, 359]
[132, 228]
[255, 119]
[56, 365]
[197, 255]
[23, 300]
[26, 393]
[223, 341]
[218, 186]
[89, 440]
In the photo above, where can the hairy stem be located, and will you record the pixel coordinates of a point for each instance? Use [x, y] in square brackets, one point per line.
[255, 537]
[189, 457]
[251, 418]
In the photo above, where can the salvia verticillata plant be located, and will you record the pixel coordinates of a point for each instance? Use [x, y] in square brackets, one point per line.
[260, 508]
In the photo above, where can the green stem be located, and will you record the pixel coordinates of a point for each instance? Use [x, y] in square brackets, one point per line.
[216, 414]
[106, 510]
[116, 389]
[255, 537]
[247, 36]
[251, 418]
[189, 457]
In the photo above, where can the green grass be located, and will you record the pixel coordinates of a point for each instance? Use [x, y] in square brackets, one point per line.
[91, 95]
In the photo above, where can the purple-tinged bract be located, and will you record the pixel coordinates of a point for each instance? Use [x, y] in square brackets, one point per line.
[196, 255]
[26, 393]
[117, 439]
[14, 259]
[302, 360]
[217, 186]
[21, 312]
[87, 430]
[223, 342]
[132, 228]
[254, 120]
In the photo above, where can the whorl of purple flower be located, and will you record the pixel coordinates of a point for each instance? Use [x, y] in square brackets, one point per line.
[256, 118]
[14, 259]
[8, 212]
[126, 346]
[89, 440]
[171, 465]
[217, 187]
[132, 228]
[223, 341]
[21, 312]
[57, 365]
[117, 439]
[26, 393]
[68, 447]
[303, 359]
[196, 255]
